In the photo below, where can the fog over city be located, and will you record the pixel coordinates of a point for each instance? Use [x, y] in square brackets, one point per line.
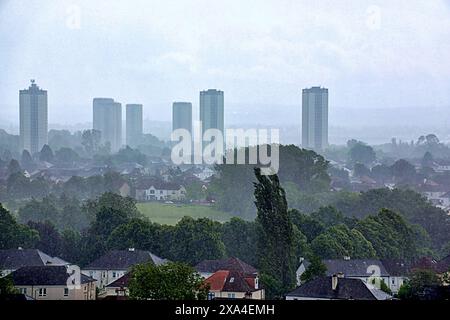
[386, 63]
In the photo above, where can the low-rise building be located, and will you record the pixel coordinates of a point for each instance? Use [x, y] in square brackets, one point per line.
[392, 272]
[337, 288]
[13, 259]
[226, 284]
[53, 283]
[115, 264]
[159, 191]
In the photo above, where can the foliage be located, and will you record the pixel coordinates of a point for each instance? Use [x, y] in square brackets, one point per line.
[276, 249]
[7, 287]
[196, 240]
[420, 280]
[305, 169]
[315, 269]
[410, 205]
[339, 241]
[13, 234]
[391, 236]
[46, 154]
[361, 153]
[240, 240]
[49, 238]
[180, 282]
[307, 225]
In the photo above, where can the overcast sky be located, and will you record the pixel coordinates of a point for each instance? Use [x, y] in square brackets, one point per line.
[370, 54]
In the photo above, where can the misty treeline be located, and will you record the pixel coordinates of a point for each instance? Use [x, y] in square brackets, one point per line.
[68, 147]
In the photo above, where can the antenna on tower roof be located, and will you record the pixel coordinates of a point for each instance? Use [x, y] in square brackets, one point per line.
[33, 81]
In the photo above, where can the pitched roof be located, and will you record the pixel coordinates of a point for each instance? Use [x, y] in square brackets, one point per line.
[347, 289]
[122, 282]
[231, 264]
[44, 276]
[123, 260]
[354, 267]
[13, 259]
[157, 184]
[396, 267]
[444, 264]
[228, 281]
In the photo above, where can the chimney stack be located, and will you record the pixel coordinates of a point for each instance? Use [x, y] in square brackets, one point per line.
[334, 282]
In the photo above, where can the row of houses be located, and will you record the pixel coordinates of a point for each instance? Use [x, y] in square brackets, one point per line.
[42, 277]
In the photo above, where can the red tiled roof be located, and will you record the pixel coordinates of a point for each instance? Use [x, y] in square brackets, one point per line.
[217, 280]
[230, 281]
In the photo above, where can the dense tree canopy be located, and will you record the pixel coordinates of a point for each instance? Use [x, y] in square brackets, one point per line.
[181, 282]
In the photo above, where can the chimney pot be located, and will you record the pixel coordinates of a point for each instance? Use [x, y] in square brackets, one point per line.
[334, 282]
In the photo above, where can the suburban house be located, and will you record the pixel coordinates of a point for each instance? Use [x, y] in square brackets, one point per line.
[226, 284]
[337, 288]
[159, 191]
[115, 264]
[392, 272]
[53, 283]
[13, 259]
[231, 278]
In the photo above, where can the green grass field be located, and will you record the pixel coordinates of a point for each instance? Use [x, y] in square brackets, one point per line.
[170, 214]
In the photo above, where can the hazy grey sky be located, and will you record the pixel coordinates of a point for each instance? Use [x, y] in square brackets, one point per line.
[393, 53]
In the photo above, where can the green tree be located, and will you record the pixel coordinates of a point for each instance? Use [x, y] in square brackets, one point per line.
[46, 154]
[362, 153]
[27, 161]
[392, 237]
[240, 240]
[7, 287]
[40, 211]
[66, 156]
[339, 241]
[14, 167]
[193, 241]
[180, 282]
[49, 237]
[309, 226]
[139, 234]
[403, 172]
[315, 269]
[13, 234]
[413, 289]
[276, 236]
[115, 201]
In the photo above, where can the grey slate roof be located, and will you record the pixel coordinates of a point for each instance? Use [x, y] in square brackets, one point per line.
[44, 276]
[231, 264]
[397, 267]
[347, 289]
[124, 260]
[13, 259]
[354, 267]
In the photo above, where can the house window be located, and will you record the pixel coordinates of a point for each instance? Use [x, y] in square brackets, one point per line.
[211, 296]
[393, 281]
[114, 275]
[23, 290]
[42, 292]
[160, 192]
[66, 292]
[152, 191]
[231, 296]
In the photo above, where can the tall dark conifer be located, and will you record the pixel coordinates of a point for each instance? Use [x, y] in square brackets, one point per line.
[276, 236]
